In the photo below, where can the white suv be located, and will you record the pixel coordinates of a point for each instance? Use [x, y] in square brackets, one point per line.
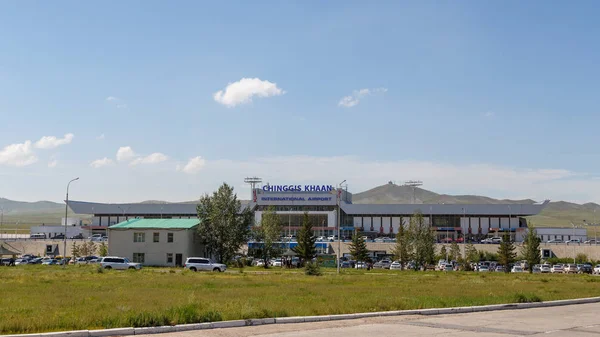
[202, 263]
[118, 263]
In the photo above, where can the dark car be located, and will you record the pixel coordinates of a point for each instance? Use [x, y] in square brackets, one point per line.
[77, 237]
[584, 268]
[58, 236]
[7, 262]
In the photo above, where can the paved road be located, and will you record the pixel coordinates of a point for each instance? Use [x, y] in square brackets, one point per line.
[574, 320]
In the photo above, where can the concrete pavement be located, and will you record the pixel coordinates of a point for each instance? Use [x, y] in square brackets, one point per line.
[572, 320]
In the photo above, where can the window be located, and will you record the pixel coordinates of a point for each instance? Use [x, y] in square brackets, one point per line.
[156, 237]
[169, 257]
[138, 257]
[170, 237]
[139, 237]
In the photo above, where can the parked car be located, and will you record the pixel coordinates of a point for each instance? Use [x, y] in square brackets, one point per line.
[21, 262]
[345, 264]
[516, 269]
[498, 269]
[321, 239]
[546, 268]
[590, 242]
[360, 265]
[554, 241]
[49, 262]
[448, 267]
[537, 269]
[396, 265]
[96, 238]
[557, 268]
[258, 263]
[59, 236]
[118, 263]
[574, 241]
[276, 262]
[383, 264]
[332, 238]
[596, 270]
[77, 237]
[204, 264]
[37, 236]
[483, 269]
[570, 269]
[7, 262]
[585, 268]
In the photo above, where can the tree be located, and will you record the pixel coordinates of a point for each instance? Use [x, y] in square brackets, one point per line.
[306, 249]
[268, 232]
[75, 250]
[471, 255]
[403, 247]
[443, 252]
[358, 248]
[423, 241]
[454, 252]
[103, 250]
[87, 249]
[224, 226]
[531, 248]
[506, 252]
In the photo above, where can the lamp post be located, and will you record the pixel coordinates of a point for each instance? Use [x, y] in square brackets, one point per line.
[339, 223]
[573, 238]
[66, 219]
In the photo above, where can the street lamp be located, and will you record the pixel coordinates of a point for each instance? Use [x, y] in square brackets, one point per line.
[66, 219]
[573, 238]
[339, 223]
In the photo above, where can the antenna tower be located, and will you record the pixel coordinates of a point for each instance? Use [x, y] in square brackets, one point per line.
[413, 184]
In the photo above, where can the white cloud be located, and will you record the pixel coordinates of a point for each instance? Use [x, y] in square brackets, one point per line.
[194, 165]
[51, 142]
[153, 158]
[101, 162]
[101, 137]
[348, 101]
[357, 95]
[111, 98]
[52, 163]
[242, 91]
[489, 114]
[125, 153]
[20, 154]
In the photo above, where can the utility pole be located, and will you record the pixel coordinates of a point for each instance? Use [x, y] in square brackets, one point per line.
[66, 220]
[413, 184]
[339, 223]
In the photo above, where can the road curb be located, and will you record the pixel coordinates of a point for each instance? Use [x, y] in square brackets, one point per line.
[305, 319]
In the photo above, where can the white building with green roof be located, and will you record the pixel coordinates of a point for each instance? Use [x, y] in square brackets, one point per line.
[155, 242]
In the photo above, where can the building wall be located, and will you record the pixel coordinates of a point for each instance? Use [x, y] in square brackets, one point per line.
[121, 243]
[51, 231]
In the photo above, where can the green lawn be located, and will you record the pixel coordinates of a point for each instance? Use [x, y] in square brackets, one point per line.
[49, 298]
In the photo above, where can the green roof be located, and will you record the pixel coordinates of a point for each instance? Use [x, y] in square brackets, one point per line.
[157, 223]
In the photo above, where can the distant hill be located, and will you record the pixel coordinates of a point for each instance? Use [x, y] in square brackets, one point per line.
[559, 213]
[23, 206]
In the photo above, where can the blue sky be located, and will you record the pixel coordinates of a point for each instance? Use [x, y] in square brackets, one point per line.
[495, 98]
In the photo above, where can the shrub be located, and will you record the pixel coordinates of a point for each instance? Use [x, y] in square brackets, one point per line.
[99, 270]
[312, 269]
[527, 298]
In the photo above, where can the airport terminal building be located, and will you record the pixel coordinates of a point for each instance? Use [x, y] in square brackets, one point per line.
[323, 203]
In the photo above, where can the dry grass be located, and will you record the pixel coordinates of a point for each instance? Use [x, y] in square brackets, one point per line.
[49, 298]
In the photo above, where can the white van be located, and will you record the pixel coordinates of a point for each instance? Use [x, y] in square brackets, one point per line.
[37, 236]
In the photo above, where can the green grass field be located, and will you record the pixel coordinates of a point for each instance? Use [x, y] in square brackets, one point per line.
[49, 298]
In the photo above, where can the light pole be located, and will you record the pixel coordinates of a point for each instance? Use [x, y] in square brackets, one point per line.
[123, 210]
[66, 220]
[339, 223]
[573, 238]
[509, 216]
